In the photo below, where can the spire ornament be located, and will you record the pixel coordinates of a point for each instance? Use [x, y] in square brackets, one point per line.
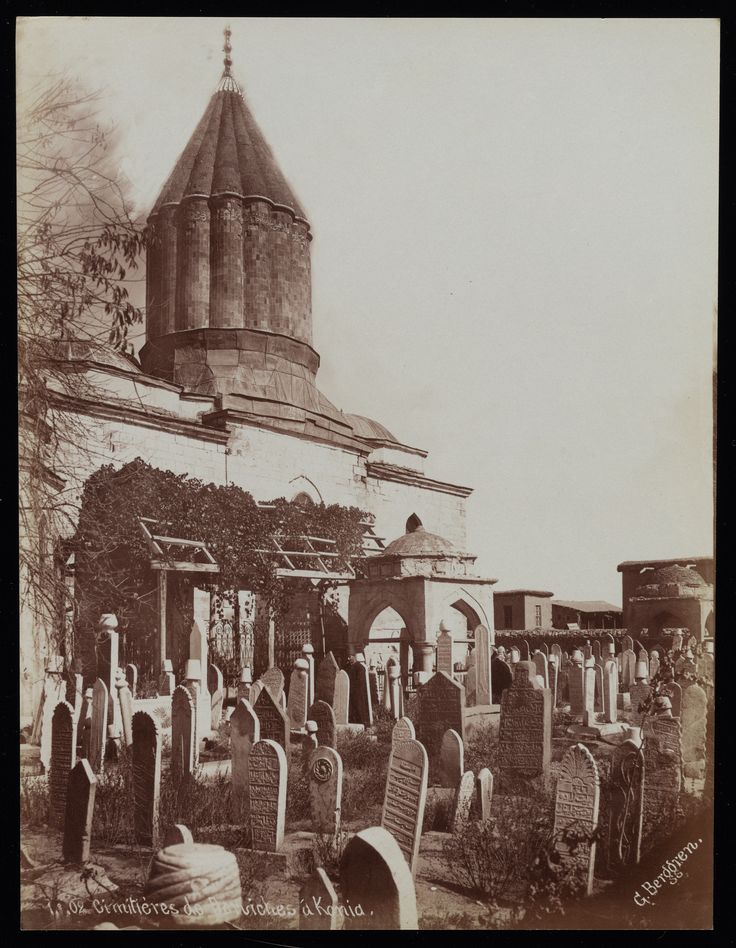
[227, 82]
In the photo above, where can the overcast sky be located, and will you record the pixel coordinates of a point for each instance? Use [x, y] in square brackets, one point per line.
[515, 254]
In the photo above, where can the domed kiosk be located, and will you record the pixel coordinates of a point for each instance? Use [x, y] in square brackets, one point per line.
[674, 594]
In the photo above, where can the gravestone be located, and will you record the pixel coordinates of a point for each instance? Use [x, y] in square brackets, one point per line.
[131, 677]
[628, 669]
[267, 788]
[325, 789]
[598, 690]
[674, 692]
[324, 717]
[590, 688]
[146, 743]
[384, 689]
[298, 699]
[80, 804]
[360, 696]
[597, 652]
[640, 692]
[587, 651]
[125, 703]
[396, 693]
[85, 723]
[484, 786]
[610, 692]
[463, 802]
[452, 756]
[662, 774]
[374, 875]
[406, 795]
[625, 802]
[341, 701]
[441, 706]
[444, 652]
[309, 743]
[576, 680]
[98, 727]
[514, 655]
[183, 734]
[483, 679]
[556, 650]
[540, 663]
[643, 656]
[653, 664]
[544, 649]
[273, 721]
[693, 719]
[255, 689]
[326, 675]
[245, 682]
[54, 691]
[526, 651]
[627, 643]
[403, 730]
[245, 731]
[273, 679]
[107, 646]
[63, 757]
[318, 905]
[177, 835]
[577, 799]
[167, 682]
[525, 733]
[198, 650]
[216, 689]
[308, 656]
[471, 682]
[373, 686]
[554, 674]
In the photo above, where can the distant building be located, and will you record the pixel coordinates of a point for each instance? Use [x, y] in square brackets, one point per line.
[669, 594]
[522, 609]
[589, 614]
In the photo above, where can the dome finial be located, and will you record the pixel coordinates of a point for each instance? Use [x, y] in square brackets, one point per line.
[227, 49]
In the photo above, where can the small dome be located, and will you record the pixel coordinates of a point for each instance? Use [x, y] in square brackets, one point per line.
[88, 350]
[368, 428]
[669, 576]
[420, 543]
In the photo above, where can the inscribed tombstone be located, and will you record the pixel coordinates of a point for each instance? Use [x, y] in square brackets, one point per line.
[273, 679]
[267, 788]
[444, 652]
[441, 706]
[406, 795]
[98, 727]
[324, 717]
[63, 755]
[693, 718]
[403, 730]
[625, 802]
[662, 774]
[540, 663]
[298, 699]
[374, 875]
[577, 799]
[325, 789]
[525, 734]
[273, 721]
[463, 802]
[640, 692]
[146, 740]
[245, 730]
[360, 696]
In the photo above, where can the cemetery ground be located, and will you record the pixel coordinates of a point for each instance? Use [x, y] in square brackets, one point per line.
[496, 874]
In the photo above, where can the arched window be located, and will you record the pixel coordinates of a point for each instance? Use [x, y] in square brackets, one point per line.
[413, 523]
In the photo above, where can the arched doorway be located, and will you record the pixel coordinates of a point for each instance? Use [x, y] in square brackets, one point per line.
[662, 621]
[461, 621]
[388, 638]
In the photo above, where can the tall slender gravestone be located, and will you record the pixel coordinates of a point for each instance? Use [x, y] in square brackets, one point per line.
[406, 795]
[308, 656]
[526, 651]
[361, 711]
[80, 804]
[341, 700]
[627, 643]
[441, 706]
[673, 691]
[576, 684]
[267, 782]
[471, 681]
[183, 734]
[125, 703]
[374, 875]
[590, 688]
[640, 692]
[273, 679]
[587, 651]
[556, 650]
[54, 690]
[610, 692]
[216, 689]
[662, 773]
[131, 676]
[653, 664]
[628, 669]
[167, 681]
[298, 700]
[444, 651]
[396, 692]
[318, 905]
[693, 719]
[325, 789]
[525, 733]
[501, 679]
[63, 755]
[107, 665]
[403, 730]
[146, 777]
[98, 728]
[324, 717]
[483, 680]
[625, 802]
[274, 721]
[463, 802]
[373, 686]
[597, 652]
[484, 788]
[245, 731]
[553, 671]
[576, 809]
[452, 755]
[326, 674]
[540, 663]
[598, 691]
[198, 649]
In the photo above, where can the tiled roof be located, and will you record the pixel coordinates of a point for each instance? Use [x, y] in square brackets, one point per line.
[370, 429]
[592, 605]
[228, 154]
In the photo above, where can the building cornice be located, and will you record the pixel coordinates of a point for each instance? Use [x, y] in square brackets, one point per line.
[389, 472]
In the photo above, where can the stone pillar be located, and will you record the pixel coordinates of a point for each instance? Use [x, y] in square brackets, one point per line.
[423, 655]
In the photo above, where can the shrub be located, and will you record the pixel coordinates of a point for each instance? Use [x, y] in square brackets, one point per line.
[34, 801]
[297, 793]
[328, 850]
[481, 748]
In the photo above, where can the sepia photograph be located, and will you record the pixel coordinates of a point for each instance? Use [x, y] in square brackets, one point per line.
[366, 394]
